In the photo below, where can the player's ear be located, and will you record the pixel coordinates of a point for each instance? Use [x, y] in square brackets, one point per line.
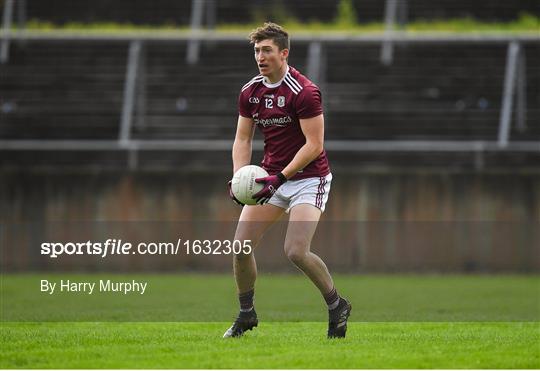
[285, 54]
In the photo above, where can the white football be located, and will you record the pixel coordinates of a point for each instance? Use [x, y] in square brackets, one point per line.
[243, 183]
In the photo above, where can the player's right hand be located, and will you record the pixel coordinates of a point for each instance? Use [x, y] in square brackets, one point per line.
[231, 195]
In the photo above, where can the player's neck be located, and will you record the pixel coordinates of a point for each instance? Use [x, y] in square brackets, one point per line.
[278, 75]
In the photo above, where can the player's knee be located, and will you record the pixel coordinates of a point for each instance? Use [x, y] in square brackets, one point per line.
[297, 258]
[243, 254]
[296, 253]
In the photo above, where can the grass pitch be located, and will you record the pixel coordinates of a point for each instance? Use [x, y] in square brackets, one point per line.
[271, 345]
[460, 322]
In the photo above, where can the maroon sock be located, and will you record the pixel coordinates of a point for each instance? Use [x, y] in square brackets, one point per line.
[332, 299]
[246, 300]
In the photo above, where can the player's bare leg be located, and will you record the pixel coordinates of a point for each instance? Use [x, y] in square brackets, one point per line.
[253, 222]
[302, 225]
[303, 222]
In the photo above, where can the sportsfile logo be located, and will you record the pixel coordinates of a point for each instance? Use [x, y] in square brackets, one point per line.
[274, 121]
[120, 247]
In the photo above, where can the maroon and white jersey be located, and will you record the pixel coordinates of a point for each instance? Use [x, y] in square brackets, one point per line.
[276, 109]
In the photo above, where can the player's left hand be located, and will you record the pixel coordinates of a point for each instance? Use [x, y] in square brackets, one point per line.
[271, 184]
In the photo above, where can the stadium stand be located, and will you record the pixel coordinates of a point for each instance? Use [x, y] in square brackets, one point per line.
[61, 90]
[438, 92]
[74, 90]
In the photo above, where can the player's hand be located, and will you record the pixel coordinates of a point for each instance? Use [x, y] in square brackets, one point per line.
[271, 184]
[231, 195]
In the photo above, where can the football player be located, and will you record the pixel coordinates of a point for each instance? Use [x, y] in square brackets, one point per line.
[286, 107]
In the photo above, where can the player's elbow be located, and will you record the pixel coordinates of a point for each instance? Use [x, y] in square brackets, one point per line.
[316, 146]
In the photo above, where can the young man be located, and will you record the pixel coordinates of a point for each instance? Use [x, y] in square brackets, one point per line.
[287, 108]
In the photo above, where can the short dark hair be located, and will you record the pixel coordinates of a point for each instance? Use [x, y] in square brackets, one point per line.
[271, 31]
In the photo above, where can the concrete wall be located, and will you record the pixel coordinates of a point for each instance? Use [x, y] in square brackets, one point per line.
[374, 221]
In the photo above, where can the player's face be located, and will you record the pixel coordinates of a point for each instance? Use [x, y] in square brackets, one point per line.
[269, 58]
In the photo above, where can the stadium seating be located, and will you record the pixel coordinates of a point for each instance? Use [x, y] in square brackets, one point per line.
[62, 90]
[442, 92]
[74, 90]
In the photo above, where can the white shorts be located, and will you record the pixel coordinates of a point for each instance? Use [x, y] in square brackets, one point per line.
[313, 191]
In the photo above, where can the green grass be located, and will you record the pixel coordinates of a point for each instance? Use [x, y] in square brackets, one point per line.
[211, 297]
[398, 321]
[525, 23]
[271, 345]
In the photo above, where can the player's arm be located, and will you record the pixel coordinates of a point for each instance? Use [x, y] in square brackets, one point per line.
[313, 129]
[241, 152]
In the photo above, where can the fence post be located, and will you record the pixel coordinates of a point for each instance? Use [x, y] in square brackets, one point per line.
[130, 85]
[394, 10]
[508, 93]
[314, 61]
[192, 55]
[6, 28]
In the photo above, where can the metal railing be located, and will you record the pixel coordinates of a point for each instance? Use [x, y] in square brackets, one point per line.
[513, 92]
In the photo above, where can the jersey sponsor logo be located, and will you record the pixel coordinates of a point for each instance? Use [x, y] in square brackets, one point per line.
[274, 121]
[253, 100]
[269, 96]
[281, 101]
